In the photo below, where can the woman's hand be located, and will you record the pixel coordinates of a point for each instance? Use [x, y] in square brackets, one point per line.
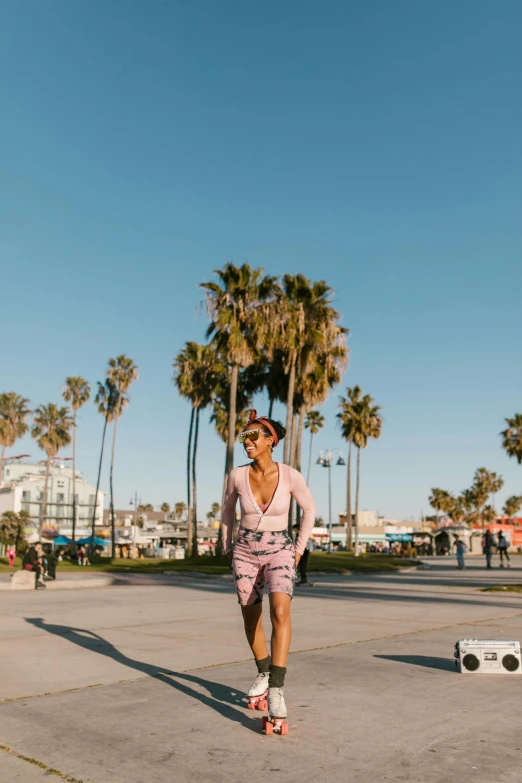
[298, 556]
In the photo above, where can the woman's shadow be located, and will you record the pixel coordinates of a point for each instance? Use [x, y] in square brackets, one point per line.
[220, 698]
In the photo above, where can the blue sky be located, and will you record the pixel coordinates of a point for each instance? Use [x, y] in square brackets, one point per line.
[375, 145]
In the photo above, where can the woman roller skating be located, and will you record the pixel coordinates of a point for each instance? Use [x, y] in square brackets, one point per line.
[264, 556]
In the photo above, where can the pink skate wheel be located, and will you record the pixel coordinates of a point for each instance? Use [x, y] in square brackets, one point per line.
[262, 705]
[269, 727]
[284, 729]
[263, 721]
[251, 705]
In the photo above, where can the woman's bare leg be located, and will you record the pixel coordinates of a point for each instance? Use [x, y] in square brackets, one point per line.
[281, 627]
[252, 618]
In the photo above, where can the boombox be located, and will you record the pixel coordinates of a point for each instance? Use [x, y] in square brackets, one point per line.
[488, 656]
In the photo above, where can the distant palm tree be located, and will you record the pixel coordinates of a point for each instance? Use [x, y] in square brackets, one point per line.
[221, 403]
[216, 508]
[512, 437]
[488, 515]
[122, 372]
[301, 323]
[179, 510]
[196, 372]
[238, 324]
[367, 425]
[484, 483]
[165, 507]
[12, 528]
[106, 399]
[348, 416]
[13, 422]
[77, 392]
[456, 509]
[314, 422]
[512, 506]
[51, 430]
[440, 500]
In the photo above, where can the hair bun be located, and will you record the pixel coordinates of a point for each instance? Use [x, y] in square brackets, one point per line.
[253, 416]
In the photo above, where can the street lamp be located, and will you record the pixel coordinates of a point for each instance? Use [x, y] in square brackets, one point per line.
[325, 460]
[136, 503]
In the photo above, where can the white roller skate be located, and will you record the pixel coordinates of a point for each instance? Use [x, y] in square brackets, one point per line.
[258, 693]
[275, 722]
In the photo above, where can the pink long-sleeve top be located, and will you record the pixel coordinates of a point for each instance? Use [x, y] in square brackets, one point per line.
[275, 517]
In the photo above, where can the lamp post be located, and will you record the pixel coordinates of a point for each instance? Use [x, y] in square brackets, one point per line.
[135, 503]
[325, 460]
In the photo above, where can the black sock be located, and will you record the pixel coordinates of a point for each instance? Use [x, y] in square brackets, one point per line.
[277, 676]
[263, 666]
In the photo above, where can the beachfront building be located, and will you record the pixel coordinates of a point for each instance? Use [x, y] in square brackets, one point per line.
[22, 489]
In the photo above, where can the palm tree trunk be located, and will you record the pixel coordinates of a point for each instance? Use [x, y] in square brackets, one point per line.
[232, 416]
[93, 524]
[2, 460]
[270, 407]
[289, 410]
[299, 449]
[74, 482]
[310, 457]
[189, 498]
[194, 491]
[357, 502]
[44, 499]
[113, 524]
[293, 440]
[349, 501]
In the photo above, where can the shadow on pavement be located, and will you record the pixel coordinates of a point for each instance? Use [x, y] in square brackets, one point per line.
[220, 698]
[430, 662]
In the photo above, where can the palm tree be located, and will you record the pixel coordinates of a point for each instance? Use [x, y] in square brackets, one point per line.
[179, 510]
[197, 369]
[122, 372]
[488, 515]
[165, 507]
[246, 388]
[512, 506]
[484, 483]
[440, 500]
[77, 392]
[348, 416]
[314, 422]
[496, 483]
[367, 424]
[106, 400]
[239, 322]
[512, 437]
[12, 527]
[51, 430]
[215, 508]
[456, 509]
[301, 321]
[13, 423]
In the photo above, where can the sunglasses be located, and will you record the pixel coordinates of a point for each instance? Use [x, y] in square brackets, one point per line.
[252, 435]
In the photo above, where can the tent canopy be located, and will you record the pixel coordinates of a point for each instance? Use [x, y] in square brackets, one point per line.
[62, 541]
[399, 536]
[97, 541]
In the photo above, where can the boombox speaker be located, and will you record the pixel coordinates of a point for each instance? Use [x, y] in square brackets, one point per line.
[488, 656]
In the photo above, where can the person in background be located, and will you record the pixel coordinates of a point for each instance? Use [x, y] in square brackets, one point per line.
[52, 562]
[487, 543]
[81, 555]
[304, 559]
[503, 546]
[11, 553]
[460, 548]
[32, 562]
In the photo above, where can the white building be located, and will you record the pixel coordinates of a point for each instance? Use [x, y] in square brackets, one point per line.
[22, 489]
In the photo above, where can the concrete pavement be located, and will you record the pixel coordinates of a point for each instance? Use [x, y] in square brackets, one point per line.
[146, 682]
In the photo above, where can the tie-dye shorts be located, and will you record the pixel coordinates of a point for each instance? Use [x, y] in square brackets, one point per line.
[263, 559]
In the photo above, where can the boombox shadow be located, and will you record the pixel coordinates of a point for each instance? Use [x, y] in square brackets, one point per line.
[428, 661]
